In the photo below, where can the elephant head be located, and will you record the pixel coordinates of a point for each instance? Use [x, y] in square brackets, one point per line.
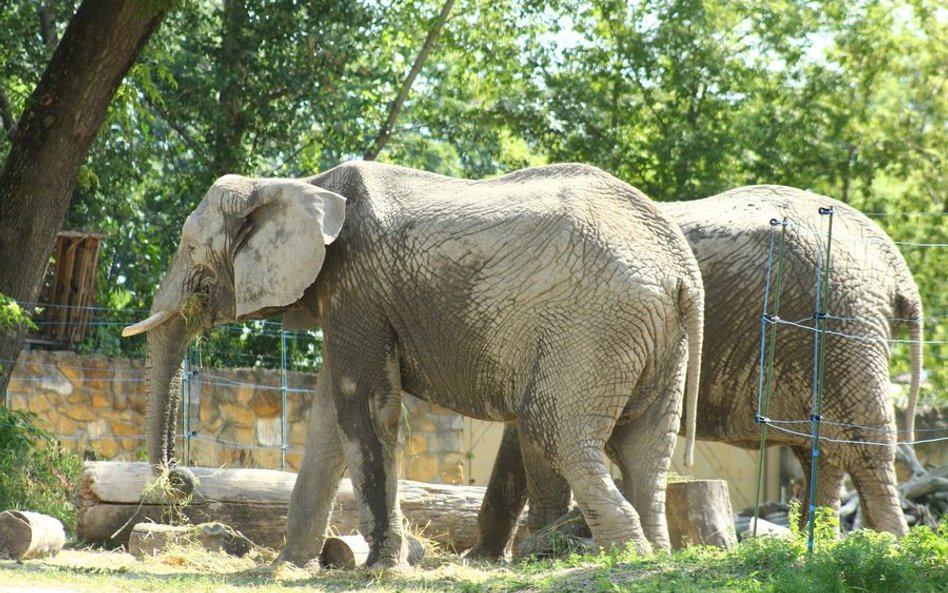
[250, 249]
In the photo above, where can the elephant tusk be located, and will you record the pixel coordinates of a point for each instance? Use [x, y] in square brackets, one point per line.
[150, 323]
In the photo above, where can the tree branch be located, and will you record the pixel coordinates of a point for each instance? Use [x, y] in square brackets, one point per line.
[177, 128]
[47, 17]
[6, 115]
[396, 107]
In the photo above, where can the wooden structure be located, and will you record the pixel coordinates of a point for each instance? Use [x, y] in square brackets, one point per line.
[70, 287]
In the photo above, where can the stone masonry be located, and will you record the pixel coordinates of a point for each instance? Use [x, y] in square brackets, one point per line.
[96, 405]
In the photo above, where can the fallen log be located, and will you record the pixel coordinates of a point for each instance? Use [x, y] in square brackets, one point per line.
[745, 527]
[25, 535]
[255, 502]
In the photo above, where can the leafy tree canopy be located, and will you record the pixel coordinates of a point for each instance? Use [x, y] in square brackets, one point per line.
[681, 98]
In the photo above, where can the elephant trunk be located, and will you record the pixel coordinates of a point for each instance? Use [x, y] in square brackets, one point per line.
[167, 344]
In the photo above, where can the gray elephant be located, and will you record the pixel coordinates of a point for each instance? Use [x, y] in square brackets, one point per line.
[557, 298]
[871, 292]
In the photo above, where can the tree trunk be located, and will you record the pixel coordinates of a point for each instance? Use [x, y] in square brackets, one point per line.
[54, 134]
[255, 502]
[151, 539]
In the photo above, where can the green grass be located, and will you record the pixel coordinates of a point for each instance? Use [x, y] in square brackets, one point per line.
[863, 562]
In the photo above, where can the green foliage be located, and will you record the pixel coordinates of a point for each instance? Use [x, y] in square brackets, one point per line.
[863, 561]
[12, 314]
[680, 98]
[36, 474]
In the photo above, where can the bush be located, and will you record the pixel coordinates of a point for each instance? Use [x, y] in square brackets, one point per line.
[36, 473]
[862, 561]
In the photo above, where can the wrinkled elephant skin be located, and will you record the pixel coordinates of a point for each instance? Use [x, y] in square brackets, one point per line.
[871, 291]
[556, 298]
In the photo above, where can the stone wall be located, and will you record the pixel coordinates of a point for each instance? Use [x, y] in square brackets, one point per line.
[96, 405]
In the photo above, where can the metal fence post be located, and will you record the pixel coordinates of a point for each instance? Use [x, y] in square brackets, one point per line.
[283, 390]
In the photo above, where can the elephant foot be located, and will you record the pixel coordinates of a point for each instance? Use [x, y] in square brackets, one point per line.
[486, 553]
[387, 564]
[304, 561]
[641, 546]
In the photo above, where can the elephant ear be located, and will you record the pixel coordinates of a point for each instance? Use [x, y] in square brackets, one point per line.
[281, 246]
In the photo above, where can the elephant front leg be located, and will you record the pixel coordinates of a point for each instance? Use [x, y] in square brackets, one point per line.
[549, 493]
[316, 484]
[368, 407]
[578, 456]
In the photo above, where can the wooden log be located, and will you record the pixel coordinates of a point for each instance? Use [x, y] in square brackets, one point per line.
[24, 535]
[150, 539]
[255, 503]
[344, 551]
[699, 512]
[351, 551]
[110, 525]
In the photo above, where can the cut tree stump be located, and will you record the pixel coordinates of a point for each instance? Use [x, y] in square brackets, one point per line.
[699, 513]
[25, 535]
[351, 551]
[255, 502]
[150, 539]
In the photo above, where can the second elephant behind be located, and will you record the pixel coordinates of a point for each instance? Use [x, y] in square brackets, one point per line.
[871, 292]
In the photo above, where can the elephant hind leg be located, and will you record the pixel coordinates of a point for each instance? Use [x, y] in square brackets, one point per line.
[643, 450]
[875, 480]
[643, 453]
[829, 482]
[613, 521]
[577, 454]
[503, 501]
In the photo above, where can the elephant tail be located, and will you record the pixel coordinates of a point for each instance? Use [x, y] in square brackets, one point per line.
[910, 313]
[691, 305]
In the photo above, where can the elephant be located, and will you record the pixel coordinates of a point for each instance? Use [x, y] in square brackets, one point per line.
[557, 298]
[871, 293]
